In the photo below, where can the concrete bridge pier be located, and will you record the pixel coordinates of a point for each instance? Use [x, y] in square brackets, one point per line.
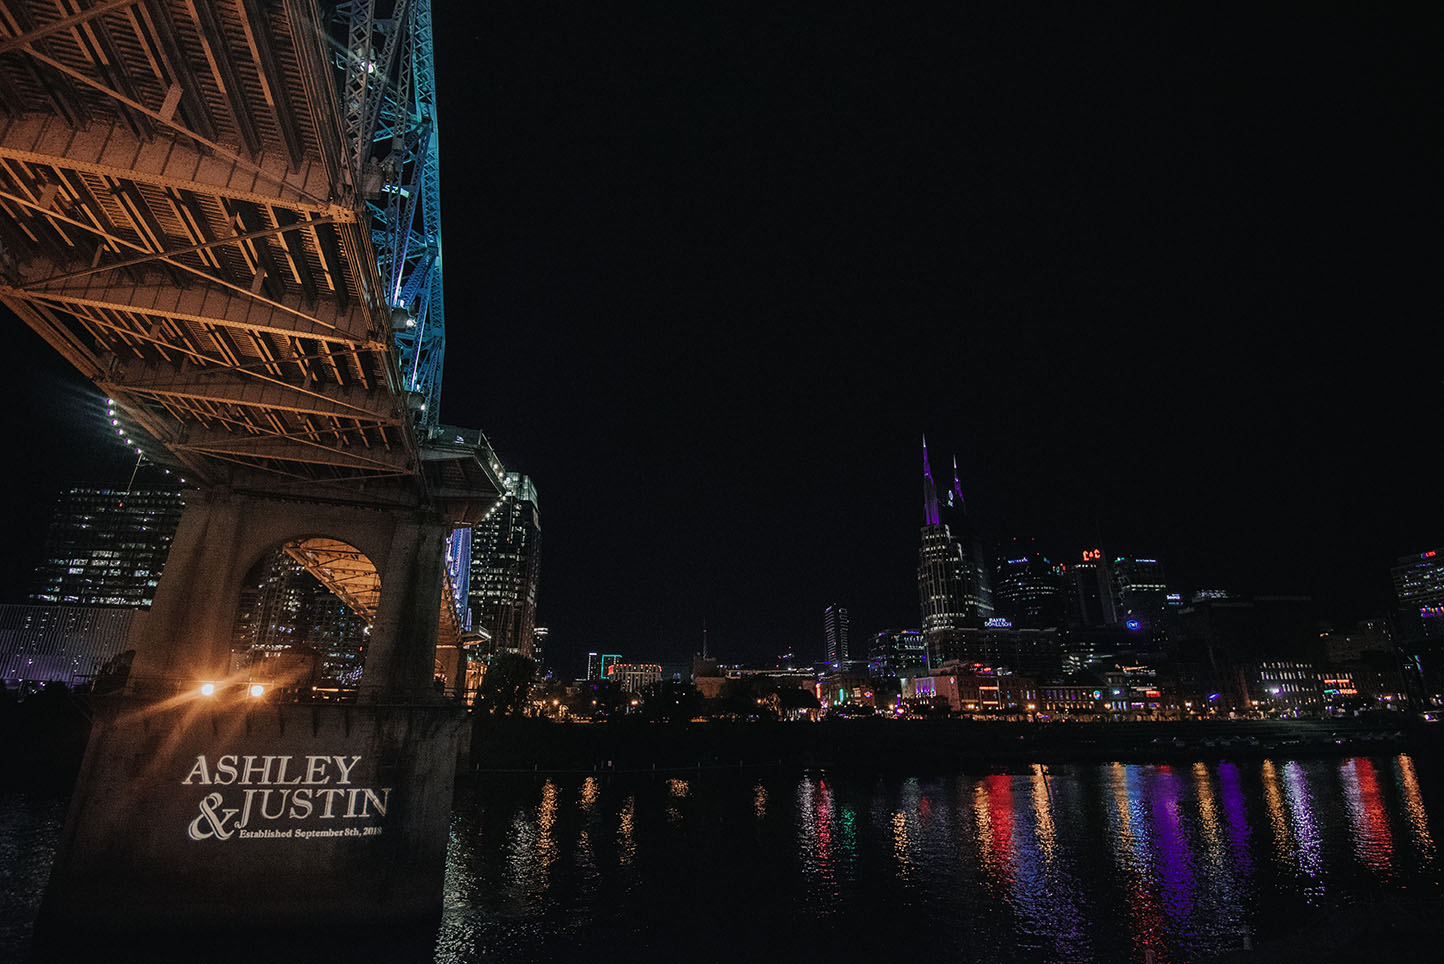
[224, 812]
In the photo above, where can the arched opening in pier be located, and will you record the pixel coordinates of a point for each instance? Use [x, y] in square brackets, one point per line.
[303, 619]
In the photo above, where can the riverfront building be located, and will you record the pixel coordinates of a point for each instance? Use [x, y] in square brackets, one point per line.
[61, 644]
[506, 567]
[107, 545]
[897, 652]
[599, 665]
[635, 678]
[1419, 589]
[1035, 652]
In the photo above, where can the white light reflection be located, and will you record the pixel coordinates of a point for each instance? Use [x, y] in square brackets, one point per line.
[1304, 827]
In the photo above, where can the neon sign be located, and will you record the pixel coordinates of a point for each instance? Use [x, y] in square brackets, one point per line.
[997, 622]
[1092, 555]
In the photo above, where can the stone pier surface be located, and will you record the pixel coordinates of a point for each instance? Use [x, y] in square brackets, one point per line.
[202, 807]
[231, 813]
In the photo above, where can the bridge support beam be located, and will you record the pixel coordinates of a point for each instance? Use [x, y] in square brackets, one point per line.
[224, 810]
[187, 638]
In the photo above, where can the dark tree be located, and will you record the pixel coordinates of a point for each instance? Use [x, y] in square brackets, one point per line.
[673, 702]
[505, 685]
[789, 698]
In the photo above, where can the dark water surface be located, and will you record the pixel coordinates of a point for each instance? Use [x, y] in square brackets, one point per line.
[1071, 863]
[1068, 863]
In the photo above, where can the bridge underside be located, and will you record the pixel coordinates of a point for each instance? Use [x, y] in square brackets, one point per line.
[182, 217]
[354, 579]
[179, 218]
[179, 224]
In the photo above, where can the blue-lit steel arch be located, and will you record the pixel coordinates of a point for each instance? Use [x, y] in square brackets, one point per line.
[388, 90]
[388, 86]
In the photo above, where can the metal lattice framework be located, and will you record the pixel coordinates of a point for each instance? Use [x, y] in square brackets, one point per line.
[227, 215]
[343, 569]
[352, 576]
[389, 92]
[178, 219]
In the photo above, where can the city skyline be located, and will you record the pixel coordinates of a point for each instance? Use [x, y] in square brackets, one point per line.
[289, 662]
[726, 273]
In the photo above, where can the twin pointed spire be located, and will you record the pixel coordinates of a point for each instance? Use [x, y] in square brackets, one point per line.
[930, 491]
[931, 515]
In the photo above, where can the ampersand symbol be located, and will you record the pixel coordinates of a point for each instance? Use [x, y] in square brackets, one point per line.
[217, 823]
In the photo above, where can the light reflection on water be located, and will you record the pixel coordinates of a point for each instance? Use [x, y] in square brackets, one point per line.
[1414, 807]
[1065, 863]
[627, 847]
[1058, 864]
[1308, 847]
[1368, 822]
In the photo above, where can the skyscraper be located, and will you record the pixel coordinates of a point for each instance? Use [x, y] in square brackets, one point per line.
[107, 545]
[1091, 600]
[286, 619]
[897, 652]
[599, 665]
[505, 566]
[1139, 591]
[834, 631]
[1029, 589]
[953, 584]
[1419, 589]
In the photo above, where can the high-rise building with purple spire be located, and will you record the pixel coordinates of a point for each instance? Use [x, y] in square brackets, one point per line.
[930, 491]
[954, 589]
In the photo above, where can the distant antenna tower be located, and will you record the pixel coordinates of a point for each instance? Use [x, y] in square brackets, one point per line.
[704, 638]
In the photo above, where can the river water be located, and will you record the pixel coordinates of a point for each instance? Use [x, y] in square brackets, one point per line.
[1066, 863]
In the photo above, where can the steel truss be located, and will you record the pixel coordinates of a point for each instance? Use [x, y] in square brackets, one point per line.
[389, 94]
[177, 219]
[227, 215]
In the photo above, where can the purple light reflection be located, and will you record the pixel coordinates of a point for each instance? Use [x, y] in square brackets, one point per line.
[1236, 816]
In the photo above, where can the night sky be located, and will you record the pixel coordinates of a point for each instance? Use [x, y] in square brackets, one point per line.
[1164, 280]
